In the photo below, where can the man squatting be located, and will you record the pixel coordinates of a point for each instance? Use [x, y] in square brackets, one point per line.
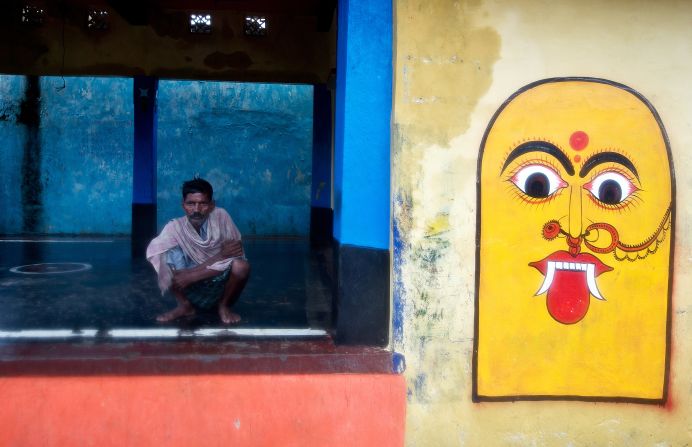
[199, 257]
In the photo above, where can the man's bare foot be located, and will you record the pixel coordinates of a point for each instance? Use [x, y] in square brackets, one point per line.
[228, 317]
[174, 314]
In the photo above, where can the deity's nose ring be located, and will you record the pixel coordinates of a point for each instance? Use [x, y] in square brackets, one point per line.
[552, 229]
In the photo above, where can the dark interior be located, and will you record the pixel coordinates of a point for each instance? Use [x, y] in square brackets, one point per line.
[292, 284]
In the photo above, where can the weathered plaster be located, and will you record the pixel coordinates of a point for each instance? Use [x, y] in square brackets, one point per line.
[70, 153]
[257, 141]
[444, 69]
[441, 109]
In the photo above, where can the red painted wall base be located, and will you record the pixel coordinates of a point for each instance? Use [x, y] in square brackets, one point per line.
[208, 410]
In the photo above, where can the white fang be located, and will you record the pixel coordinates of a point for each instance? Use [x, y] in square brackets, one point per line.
[591, 281]
[548, 281]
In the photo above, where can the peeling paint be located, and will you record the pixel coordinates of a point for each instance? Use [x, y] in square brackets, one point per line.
[450, 72]
[439, 224]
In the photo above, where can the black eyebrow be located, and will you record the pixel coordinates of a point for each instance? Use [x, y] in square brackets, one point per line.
[607, 157]
[540, 146]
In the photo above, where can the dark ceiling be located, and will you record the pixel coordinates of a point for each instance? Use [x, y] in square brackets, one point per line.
[152, 37]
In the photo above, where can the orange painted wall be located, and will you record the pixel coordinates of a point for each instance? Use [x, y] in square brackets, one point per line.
[209, 410]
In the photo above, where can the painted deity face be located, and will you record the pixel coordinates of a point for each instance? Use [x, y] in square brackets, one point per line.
[575, 237]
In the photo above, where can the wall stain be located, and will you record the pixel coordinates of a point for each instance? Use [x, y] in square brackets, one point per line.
[438, 225]
[169, 24]
[419, 385]
[442, 75]
[444, 66]
[439, 80]
[31, 188]
[219, 60]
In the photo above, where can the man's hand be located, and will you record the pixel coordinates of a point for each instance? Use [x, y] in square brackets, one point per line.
[181, 279]
[232, 249]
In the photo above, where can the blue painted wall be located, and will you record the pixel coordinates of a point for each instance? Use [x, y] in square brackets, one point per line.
[362, 123]
[87, 135]
[253, 142]
[84, 155]
[12, 136]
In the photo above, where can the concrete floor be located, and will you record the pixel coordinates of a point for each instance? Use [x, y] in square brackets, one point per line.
[290, 287]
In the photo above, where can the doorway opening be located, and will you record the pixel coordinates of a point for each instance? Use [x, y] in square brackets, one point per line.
[70, 188]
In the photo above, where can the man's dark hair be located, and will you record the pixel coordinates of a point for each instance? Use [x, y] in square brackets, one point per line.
[198, 185]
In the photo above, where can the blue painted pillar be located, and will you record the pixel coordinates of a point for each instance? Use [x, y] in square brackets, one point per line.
[321, 214]
[144, 164]
[362, 170]
[362, 139]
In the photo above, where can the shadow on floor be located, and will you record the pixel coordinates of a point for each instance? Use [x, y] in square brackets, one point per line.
[290, 287]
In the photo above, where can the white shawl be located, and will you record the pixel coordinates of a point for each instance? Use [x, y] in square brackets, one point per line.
[180, 233]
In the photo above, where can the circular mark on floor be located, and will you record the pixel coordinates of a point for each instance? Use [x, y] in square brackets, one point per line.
[50, 268]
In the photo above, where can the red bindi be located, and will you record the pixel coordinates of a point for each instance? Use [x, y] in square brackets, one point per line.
[577, 158]
[579, 140]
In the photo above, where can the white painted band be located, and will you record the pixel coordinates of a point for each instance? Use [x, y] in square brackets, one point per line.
[48, 334]
[215, 332]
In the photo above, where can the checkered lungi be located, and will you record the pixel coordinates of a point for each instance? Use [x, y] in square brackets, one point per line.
[207, 293]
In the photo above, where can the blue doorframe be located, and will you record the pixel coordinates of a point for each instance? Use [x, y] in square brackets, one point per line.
[362, 169]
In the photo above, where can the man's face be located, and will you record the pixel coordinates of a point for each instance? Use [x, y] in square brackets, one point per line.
[197, 207]
[574, 246]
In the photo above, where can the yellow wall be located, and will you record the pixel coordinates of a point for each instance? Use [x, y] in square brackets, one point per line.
[455, 63]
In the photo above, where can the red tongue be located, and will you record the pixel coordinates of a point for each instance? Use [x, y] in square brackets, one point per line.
[568, 296]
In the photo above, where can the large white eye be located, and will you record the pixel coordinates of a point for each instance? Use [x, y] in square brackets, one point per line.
[537, 181]
[610, 187]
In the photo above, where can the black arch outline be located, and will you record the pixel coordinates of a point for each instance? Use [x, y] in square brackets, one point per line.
[475, 397]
